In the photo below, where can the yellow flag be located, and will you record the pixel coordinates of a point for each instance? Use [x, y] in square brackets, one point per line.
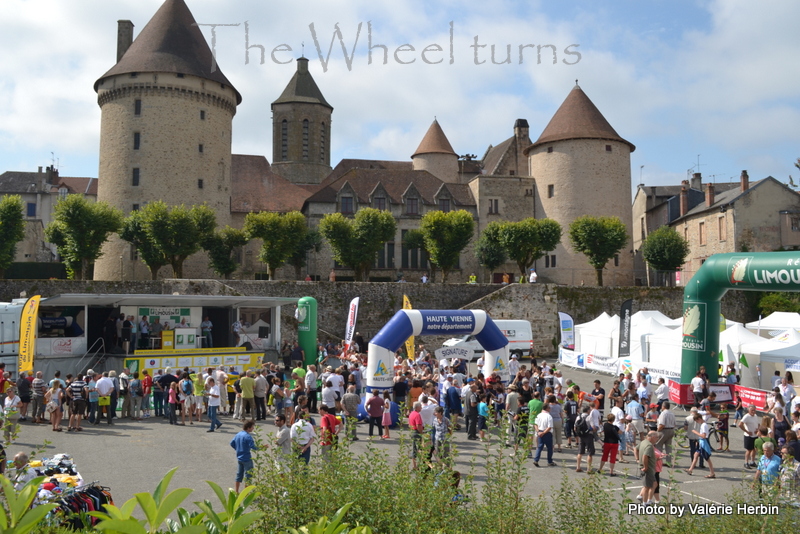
[27, 334]
[409, 341]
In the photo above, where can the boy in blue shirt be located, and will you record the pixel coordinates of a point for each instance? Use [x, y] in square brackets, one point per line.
[483, 415]
[243, 443]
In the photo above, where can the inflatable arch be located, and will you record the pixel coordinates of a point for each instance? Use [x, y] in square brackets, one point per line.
[756, 271]
[406, 323]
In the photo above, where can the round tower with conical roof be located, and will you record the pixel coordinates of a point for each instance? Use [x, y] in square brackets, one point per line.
[301, 130]
[581, 167]
[165, 134]
[436, 155]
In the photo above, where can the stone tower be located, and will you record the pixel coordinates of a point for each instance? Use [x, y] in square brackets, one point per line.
[582, 167]
[165, 133]
[301, 130]
[435, 155]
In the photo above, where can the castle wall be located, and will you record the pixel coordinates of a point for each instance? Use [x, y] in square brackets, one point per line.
[442, 166]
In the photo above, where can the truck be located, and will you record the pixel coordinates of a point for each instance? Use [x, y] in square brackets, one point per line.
[518, 333]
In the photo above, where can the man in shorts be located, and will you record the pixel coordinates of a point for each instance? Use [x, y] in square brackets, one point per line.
[749, 425]
[78, 405]
[647, 461]
[586, 441]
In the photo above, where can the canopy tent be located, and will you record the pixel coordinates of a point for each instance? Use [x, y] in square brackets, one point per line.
[676, 323]
[644, 315]
[775, 321]
[732, 339]
[755, 353]
[599, 336]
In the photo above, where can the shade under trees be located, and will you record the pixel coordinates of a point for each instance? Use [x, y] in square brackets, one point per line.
[78, 230]
[356, 241]
[599, 239]
[280, 236]
[12, 229]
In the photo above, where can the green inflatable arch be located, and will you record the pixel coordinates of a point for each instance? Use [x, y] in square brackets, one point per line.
[755, 271]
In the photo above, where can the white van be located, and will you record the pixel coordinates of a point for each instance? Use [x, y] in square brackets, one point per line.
[518, 333]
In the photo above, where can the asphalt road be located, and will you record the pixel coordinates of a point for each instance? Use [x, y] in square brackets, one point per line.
[131, 457]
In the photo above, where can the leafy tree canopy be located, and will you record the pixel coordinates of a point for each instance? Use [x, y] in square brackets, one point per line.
[220, 246]
[599, 239]
[356, 241]
[12, 229]
[446, 234]
[79, 229]
[665, 249]
[312, 242]
[280, 235]
[528, 240]
[489, 249]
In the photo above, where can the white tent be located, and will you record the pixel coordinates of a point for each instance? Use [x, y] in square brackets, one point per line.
[677, 323]
[772, 347]
[644, 315]
[732, 339]
[598, 336]
[776, 321]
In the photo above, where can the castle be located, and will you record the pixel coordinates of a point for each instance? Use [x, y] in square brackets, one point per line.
[166, 131]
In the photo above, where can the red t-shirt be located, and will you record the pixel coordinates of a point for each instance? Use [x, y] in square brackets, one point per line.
[147, 384]
[328, 424]
[415, 421]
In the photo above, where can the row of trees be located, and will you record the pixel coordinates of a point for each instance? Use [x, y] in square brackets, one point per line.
[166, 236]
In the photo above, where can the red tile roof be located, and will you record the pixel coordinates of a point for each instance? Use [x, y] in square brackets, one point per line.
[254, 187]
[434, 142]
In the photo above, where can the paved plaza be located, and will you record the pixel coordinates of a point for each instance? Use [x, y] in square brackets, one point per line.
[132, 456]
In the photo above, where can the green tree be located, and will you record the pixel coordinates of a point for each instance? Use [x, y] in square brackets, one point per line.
[489, 249]
[312, 242]
[176, 232]
[135, 231]
[773, 302]
[220, 246]
[356, 241]
[665, 250]
[446, 234]
[599, 239]
[12, 229]
[280, 236]
[528, 240]
[79, 229]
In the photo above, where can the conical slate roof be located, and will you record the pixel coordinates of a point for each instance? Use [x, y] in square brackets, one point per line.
[302, 87]
[434, 142]
[173, 43]
[578, 118]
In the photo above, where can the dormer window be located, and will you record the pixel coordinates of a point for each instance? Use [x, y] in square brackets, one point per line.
[412, 206]
[444, 204]
[379, 203]
[346, 204]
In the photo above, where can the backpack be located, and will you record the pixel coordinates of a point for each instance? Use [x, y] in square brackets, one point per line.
[123, 386]
[187, 387]
[582, 427]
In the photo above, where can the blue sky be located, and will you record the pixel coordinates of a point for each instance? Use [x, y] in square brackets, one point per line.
[718, 78]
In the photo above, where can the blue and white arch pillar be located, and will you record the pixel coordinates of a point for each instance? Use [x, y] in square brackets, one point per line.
[406, 323]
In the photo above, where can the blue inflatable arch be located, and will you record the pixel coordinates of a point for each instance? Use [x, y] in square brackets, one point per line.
[407, 323]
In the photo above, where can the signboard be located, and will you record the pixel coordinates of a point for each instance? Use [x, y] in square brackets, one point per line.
[246, 361]
[454, 352]
[753, 396]
[569, 357]
[680, 393]
[609, 364]
[723, 392]
[61, 346]
[27, 334]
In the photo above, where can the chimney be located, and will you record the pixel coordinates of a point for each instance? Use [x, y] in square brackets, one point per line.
[684, 197]
[124, 37]
[40, 169]
[52, 175]
[697, 181]
[745, 181]
[521, 129]
[710, 195]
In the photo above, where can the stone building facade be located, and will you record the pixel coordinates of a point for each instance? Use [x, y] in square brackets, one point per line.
[760, 217]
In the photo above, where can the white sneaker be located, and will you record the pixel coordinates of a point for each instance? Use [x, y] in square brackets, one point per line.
[638, 497]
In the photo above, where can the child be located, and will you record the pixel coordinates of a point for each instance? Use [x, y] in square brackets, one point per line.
[652, 417]
[722, 429]
[173, 403]
[483, 415]
[387, 413]
[630, 437]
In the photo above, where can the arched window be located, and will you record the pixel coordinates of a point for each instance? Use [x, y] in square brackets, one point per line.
[322, 143]
[305, 138]
[284, 140]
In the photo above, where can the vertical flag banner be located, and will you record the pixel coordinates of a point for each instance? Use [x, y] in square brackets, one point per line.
[27, 334]
[567, 326]
[625, 329]
[350, 328]
[410, 340]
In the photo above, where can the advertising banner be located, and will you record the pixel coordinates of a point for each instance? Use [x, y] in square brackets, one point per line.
[753, 396]
[607, 364]
[723, 391]
[27, 334]
[569, 357]
[680, 393]
[410, 347]
[567, 326]
[454, 352]
[350, 327]
[625, 329]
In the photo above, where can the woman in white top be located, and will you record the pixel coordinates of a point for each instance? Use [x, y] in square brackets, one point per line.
[11, 412]
[704, 448]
